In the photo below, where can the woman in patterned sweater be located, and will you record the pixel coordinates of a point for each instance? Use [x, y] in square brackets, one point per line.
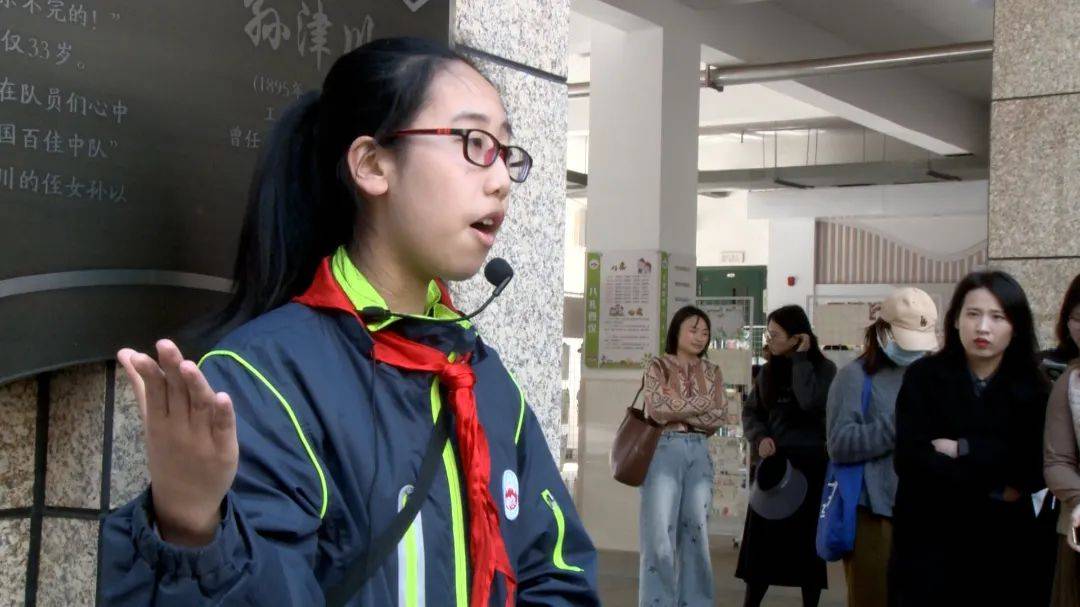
[685, 393]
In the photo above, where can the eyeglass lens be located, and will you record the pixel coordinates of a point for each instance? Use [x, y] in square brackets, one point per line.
[483, 149]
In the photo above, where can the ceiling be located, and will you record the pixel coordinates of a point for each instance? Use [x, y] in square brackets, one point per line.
[865, 25]
[877, 26]
[880, 25]
[885, 24]
[889, 25]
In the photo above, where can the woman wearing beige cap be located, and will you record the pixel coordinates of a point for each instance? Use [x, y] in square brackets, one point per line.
[865, 434]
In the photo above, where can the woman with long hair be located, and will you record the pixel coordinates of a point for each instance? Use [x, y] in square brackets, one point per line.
[684, 392]
[904, 332]
[1067, 331]
[280, 462]
[785, 417]
[969, 423]
[1061, 468]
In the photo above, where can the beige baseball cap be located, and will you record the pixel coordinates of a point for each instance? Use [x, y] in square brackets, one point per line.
[913, 317]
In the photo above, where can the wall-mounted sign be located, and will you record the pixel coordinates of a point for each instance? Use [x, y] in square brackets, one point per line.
[630, 297]
[128, 136]
[682, 284]
[622, 308]
[732, 257]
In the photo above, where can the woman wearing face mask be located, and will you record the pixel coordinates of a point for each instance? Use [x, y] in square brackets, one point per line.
[1067, 331]
[685, 393]
[281, 459]
[785, 417]
[903, 333]
[969, 423]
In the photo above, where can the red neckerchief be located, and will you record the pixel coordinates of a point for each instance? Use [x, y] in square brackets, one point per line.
[486, 545]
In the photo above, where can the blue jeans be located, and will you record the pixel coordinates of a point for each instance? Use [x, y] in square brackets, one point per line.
[675, 568]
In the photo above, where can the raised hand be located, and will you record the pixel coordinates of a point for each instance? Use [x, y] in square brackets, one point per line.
[946, 446]
[190, 442]
[766, 448]
[803, 343]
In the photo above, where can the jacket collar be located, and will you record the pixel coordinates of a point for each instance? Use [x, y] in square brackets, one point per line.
[352, 292]
[952, 372]
[339, 285]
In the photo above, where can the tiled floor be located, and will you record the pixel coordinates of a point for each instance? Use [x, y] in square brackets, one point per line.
[618, 581]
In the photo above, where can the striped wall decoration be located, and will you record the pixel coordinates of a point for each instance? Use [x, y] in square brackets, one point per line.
[850, 254]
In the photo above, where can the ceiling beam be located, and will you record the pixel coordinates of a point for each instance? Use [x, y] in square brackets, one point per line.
[897, 103]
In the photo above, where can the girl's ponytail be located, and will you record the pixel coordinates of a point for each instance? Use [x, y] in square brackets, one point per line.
[289, 226]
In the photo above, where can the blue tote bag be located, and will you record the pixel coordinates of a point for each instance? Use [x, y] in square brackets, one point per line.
[843, 484]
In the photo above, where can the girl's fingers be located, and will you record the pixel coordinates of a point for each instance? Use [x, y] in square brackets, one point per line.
[200, 396]
[124, 357]
[169, 358]
[153, 378]
[224, 423]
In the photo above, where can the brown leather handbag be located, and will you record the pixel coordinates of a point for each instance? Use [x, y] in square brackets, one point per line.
[634, 445]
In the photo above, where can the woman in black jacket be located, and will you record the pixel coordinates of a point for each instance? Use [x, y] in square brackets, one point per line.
[785, 417]
[968, 456]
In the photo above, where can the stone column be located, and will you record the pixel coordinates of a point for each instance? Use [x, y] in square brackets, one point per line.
[521, 45]
[1035, 151]
[643, 141]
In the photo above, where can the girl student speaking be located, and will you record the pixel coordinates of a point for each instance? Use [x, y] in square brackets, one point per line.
[281, 460]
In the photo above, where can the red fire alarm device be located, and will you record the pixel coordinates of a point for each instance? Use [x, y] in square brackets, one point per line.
[791, 281]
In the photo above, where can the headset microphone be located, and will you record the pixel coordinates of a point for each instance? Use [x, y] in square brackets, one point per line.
[497, 272]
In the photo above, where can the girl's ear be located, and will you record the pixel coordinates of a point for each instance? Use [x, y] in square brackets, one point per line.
[368, 166]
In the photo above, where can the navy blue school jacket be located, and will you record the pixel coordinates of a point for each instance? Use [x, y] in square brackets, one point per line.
[331, 443]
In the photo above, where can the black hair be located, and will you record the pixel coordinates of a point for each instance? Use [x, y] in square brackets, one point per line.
[302, 204]
[777, 375]
[1019, 357]
[1067, 349]
[873, 357]
[671, 346]
[793, 320]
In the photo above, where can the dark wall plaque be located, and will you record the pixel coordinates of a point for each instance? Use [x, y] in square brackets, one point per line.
[129, 131]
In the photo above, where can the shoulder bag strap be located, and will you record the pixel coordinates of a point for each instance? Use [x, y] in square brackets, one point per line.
[366, 564]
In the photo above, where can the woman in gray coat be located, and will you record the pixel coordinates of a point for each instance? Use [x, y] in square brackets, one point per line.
[903, 333]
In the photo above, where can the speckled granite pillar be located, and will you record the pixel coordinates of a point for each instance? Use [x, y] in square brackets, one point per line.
[1044, 280]
[68, 574]
[14, 551]
[52, 450]
[76, 423]
[129, 474]
[18, 402]
[1035, 150]
[521, 46]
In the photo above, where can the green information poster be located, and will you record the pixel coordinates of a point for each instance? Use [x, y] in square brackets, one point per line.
[592, 309]
[624, 291]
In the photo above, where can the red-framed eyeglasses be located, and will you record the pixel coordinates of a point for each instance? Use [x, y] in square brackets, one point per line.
[482, 149]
